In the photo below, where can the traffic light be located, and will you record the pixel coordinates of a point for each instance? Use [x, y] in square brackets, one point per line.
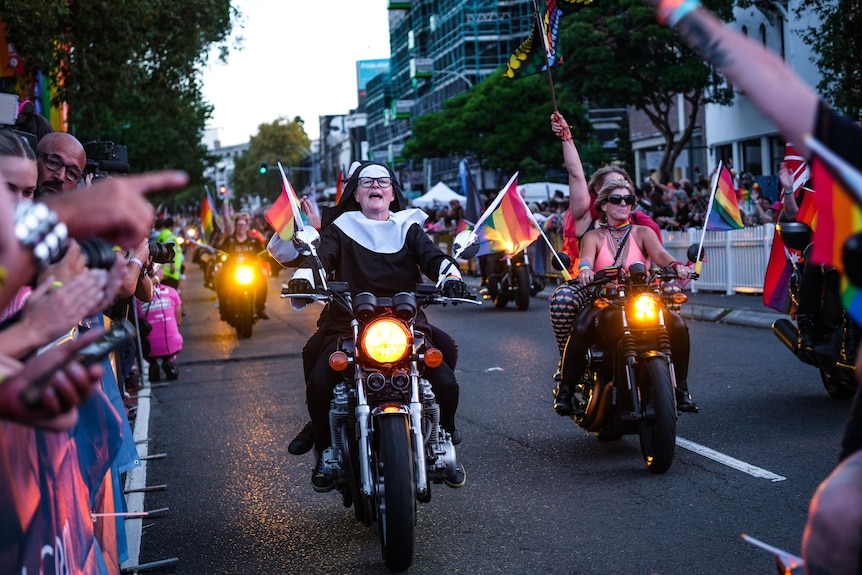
[223, 190]
[263, 169]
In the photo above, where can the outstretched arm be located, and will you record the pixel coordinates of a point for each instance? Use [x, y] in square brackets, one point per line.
[772, 87]
[579, 196]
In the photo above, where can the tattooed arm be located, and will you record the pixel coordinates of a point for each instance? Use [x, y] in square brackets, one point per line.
[762, 75]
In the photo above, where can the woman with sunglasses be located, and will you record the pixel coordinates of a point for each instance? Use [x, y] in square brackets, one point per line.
[619, 242]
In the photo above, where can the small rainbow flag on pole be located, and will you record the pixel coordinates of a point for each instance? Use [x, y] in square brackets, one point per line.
[285, 215]
[507, 225]
[207, 217]
[724, 210]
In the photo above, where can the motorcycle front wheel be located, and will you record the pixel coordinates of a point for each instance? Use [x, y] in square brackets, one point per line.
[245, 319]
[396, 500]
[658, 434]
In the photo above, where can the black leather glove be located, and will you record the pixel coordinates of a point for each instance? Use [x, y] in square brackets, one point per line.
[299, 286]
[456, 288]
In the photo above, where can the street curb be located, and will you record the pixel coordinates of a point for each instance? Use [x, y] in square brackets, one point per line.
[741, 317]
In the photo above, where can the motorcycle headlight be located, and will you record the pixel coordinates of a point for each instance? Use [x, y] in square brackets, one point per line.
[385, 340]
[643, 309]
[244, 275]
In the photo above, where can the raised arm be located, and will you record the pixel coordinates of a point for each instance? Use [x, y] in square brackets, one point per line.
[772, 87]
[579, 196]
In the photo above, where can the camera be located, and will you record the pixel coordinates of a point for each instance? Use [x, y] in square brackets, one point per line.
[98, 253]
[106, 158]
[162, 253]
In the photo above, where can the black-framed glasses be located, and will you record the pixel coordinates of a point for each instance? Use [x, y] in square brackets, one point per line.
[369, 182]
[54, 162]
[617, 200]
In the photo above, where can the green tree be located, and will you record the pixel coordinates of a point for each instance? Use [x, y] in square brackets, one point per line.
[130, 71]
[282, 141]
[503, 123]
[837, 41]
[616, 53]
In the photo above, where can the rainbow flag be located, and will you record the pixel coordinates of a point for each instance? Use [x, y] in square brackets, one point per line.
[723, 210]
[507, 226]
[339, 186]
[541, 49]
[776, 282]
[207, 217]
[839, 216]
[285, 215]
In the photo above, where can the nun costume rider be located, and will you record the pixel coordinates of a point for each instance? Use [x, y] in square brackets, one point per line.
[371, 240]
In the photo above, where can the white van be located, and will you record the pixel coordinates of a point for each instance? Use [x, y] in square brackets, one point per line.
[541, 191]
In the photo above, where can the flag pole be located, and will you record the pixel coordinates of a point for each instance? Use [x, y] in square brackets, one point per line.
[698, 263]
[547, 49]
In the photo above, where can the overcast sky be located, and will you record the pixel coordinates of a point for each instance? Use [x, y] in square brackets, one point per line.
[298, 58]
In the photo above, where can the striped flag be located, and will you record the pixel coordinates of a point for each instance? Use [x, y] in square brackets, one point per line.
[507, 225]
[839, 216]
[724, 210]
[797, 165]
[285, 215]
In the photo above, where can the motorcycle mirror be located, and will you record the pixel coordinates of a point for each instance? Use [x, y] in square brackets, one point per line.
[562, 258]
[465, 245]
[691, 253]
[795, 235]
[851, 253]
[305, 239]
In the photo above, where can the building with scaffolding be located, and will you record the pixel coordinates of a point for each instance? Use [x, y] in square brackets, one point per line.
[438, 50]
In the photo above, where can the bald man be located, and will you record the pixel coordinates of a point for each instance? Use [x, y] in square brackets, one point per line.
[61, 160]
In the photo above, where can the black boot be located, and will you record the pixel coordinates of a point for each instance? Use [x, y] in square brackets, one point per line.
[805, 326]
[684, 402]
[303, 442]
[563, 401]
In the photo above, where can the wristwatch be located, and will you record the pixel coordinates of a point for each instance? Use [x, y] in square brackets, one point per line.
[38, 230]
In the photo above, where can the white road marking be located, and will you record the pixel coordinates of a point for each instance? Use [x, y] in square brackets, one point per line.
[728, 460]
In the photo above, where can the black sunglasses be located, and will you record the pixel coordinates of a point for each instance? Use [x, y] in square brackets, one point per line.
[617, 200]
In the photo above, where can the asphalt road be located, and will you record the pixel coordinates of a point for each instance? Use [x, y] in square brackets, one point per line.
[543, 497]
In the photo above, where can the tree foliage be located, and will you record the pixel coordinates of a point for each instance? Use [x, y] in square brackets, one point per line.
[502, 123]
[617, 54]
[130, 70]
[282, 141]
[837, 41]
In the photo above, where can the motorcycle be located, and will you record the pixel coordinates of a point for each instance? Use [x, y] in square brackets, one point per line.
[387, 443]
[629, 384]
[835, 332]
[512, 279]
[239, 277]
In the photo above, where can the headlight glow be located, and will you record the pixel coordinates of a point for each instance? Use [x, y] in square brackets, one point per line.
[643, 309]
[385, 340]
[244, 275]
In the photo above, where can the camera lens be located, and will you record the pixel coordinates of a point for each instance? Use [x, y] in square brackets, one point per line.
[98, 253]
[162, 253]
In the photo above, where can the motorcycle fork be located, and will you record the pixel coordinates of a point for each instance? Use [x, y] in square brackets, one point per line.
[363, 421]
[421, 475]
[631, 358]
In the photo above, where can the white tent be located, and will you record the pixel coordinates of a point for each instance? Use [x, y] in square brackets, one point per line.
[440, 194]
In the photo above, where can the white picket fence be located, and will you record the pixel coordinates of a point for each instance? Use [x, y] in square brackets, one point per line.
[735, 260]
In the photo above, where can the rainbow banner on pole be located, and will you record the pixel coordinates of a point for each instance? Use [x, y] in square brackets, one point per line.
[507, 225]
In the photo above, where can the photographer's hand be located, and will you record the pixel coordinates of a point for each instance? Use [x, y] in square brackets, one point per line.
[130, 217]
[70, 265]
[65, 385]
